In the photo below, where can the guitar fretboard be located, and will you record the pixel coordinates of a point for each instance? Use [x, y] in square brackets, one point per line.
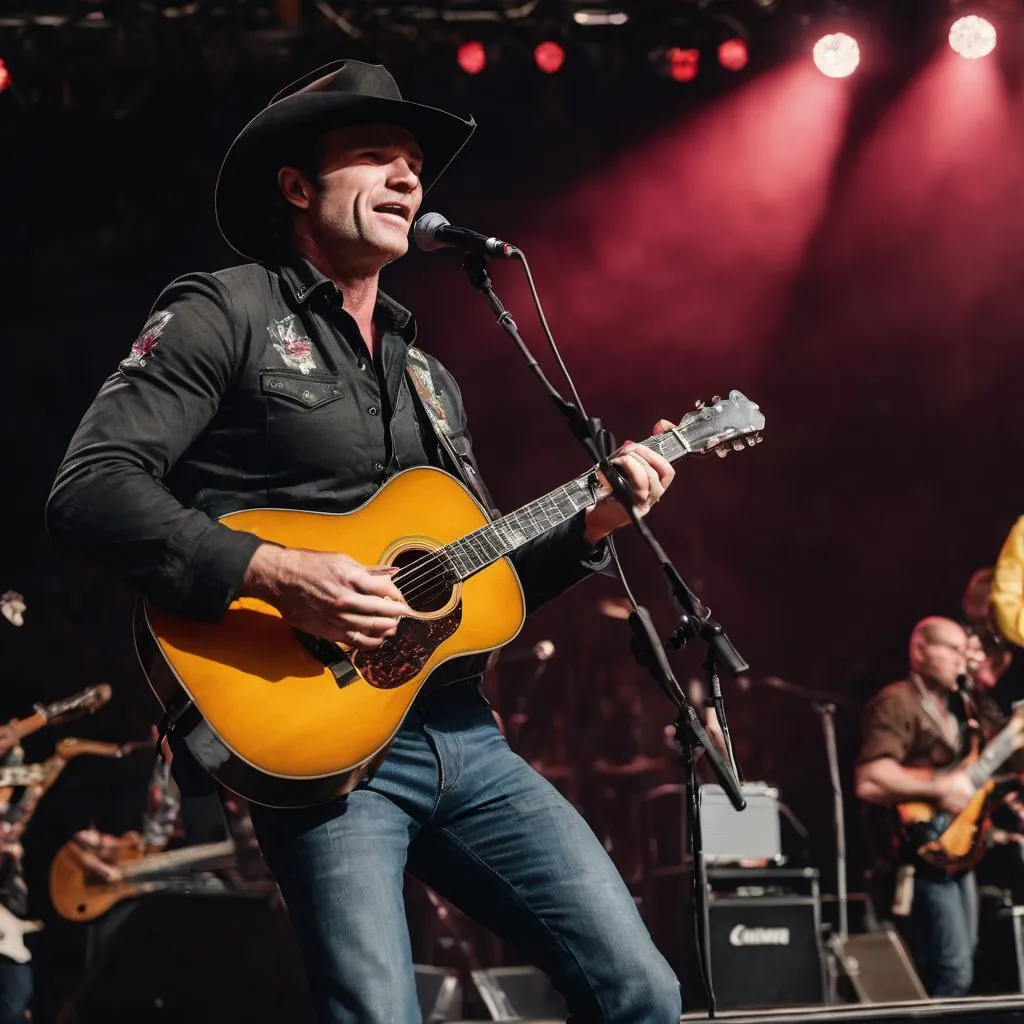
[477, 550]
[994, 754]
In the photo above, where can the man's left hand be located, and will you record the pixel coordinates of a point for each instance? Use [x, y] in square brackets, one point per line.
[648, 476]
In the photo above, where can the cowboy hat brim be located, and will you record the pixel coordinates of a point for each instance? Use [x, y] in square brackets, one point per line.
[260, 150]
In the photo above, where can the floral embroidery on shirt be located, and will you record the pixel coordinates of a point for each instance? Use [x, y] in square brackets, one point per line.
[146, 341]
[293, 347]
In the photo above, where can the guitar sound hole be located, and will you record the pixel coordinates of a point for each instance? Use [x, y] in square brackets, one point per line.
[423, 579]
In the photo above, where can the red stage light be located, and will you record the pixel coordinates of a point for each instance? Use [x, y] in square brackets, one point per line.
[972, 36]
[5, 76]
[837, 55]
[683, 64]
[549, 57]
[733, 54]
[472, 57]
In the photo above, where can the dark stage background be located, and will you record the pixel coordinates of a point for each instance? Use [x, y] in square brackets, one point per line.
[847, 253]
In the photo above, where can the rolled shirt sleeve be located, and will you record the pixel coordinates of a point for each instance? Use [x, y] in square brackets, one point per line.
[109, 500]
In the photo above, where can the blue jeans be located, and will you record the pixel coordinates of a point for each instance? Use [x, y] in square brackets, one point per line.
[460, 811]
[15, 991]
[944, 921]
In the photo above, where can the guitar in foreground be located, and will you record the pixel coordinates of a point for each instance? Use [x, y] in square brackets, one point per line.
[286, 719]
[957, 842]
[80, 895]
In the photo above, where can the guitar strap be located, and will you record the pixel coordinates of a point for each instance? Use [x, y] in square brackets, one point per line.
[432, 401]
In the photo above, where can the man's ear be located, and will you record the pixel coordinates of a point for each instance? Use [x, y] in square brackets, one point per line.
[294, 187]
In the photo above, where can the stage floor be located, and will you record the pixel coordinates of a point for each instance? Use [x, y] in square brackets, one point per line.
[974, 1010]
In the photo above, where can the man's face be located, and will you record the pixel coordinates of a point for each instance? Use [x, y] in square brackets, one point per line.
[940, 653]
[369, 194]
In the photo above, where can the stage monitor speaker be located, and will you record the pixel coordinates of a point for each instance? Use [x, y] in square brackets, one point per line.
[515, 993]
[765, 952]
[439, 991]
[879, 967]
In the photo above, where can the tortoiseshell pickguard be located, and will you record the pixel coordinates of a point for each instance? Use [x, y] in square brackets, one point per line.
[402, 656]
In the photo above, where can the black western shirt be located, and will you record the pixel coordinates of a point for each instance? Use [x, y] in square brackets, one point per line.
[248, 388]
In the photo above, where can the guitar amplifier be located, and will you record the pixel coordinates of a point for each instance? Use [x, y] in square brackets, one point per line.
[765, 950]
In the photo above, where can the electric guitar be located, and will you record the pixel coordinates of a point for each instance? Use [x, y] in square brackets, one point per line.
[80, 895]
[12, 936]
[957, 842]
[288, 719]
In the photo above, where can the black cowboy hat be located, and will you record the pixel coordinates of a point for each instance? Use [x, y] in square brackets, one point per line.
[346, 92]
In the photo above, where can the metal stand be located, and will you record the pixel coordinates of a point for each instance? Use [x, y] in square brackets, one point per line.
[827, 713]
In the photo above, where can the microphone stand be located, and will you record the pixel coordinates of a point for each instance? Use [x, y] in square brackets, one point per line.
[645, 643]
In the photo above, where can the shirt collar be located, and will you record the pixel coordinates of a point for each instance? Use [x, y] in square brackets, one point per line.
[304, 281]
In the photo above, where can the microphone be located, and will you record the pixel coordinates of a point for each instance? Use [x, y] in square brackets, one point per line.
[432, 231]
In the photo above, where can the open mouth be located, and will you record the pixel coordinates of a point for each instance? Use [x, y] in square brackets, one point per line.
[394, 210]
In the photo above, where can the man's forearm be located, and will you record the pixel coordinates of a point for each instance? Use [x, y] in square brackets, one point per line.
[886, 782]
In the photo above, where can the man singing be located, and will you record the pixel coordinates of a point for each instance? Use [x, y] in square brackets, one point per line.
[282, 383]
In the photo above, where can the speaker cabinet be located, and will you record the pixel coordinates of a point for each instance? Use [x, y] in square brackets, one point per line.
[201, 959]
[765, 951]
[212, 959]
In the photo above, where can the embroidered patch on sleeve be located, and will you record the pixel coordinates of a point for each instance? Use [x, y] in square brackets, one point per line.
[292, 345]
[146, 341]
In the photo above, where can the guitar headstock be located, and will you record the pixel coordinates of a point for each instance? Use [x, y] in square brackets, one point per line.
[723, 425]
[83, 703]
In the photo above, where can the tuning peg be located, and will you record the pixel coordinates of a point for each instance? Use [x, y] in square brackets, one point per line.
[738, 446]
[721, 452]
[715, 399]
[699, 404]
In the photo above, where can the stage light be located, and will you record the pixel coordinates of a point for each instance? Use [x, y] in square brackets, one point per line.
[472, 57]
[836, 55]
[972, 36]
[733, 54]
[5, 76]
[549, 57]
[683, 64]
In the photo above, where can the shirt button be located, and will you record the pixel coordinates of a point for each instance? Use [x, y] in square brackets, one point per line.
[379, 467]
[372, 410]
[362, 366]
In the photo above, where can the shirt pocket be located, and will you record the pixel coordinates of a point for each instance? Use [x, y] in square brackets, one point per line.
[305, 390]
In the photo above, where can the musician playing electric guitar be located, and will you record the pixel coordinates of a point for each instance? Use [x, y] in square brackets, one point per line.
[915, 734]
[283, 384]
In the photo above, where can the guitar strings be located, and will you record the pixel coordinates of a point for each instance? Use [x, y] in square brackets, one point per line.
[427, 576]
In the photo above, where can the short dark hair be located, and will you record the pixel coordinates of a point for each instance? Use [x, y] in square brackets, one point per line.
[305, 153]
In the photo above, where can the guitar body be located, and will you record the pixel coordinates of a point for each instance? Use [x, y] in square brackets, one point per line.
[12, 936]
[263, 711]
[942, 840]
[79, 895]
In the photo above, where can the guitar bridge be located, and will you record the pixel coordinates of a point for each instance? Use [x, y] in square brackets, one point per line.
[330, 655]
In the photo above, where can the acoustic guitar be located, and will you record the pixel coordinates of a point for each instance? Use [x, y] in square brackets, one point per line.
[80, 895]
[287, 719]
[957, 842]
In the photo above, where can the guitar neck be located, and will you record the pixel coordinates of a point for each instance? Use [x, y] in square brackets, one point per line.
[995, 753]
[479, 549]
[175, 859]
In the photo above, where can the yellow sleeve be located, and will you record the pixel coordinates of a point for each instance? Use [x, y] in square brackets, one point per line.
[1008, 586]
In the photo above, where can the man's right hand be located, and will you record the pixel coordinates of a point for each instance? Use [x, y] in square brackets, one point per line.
[953, 791]
[331, 596]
